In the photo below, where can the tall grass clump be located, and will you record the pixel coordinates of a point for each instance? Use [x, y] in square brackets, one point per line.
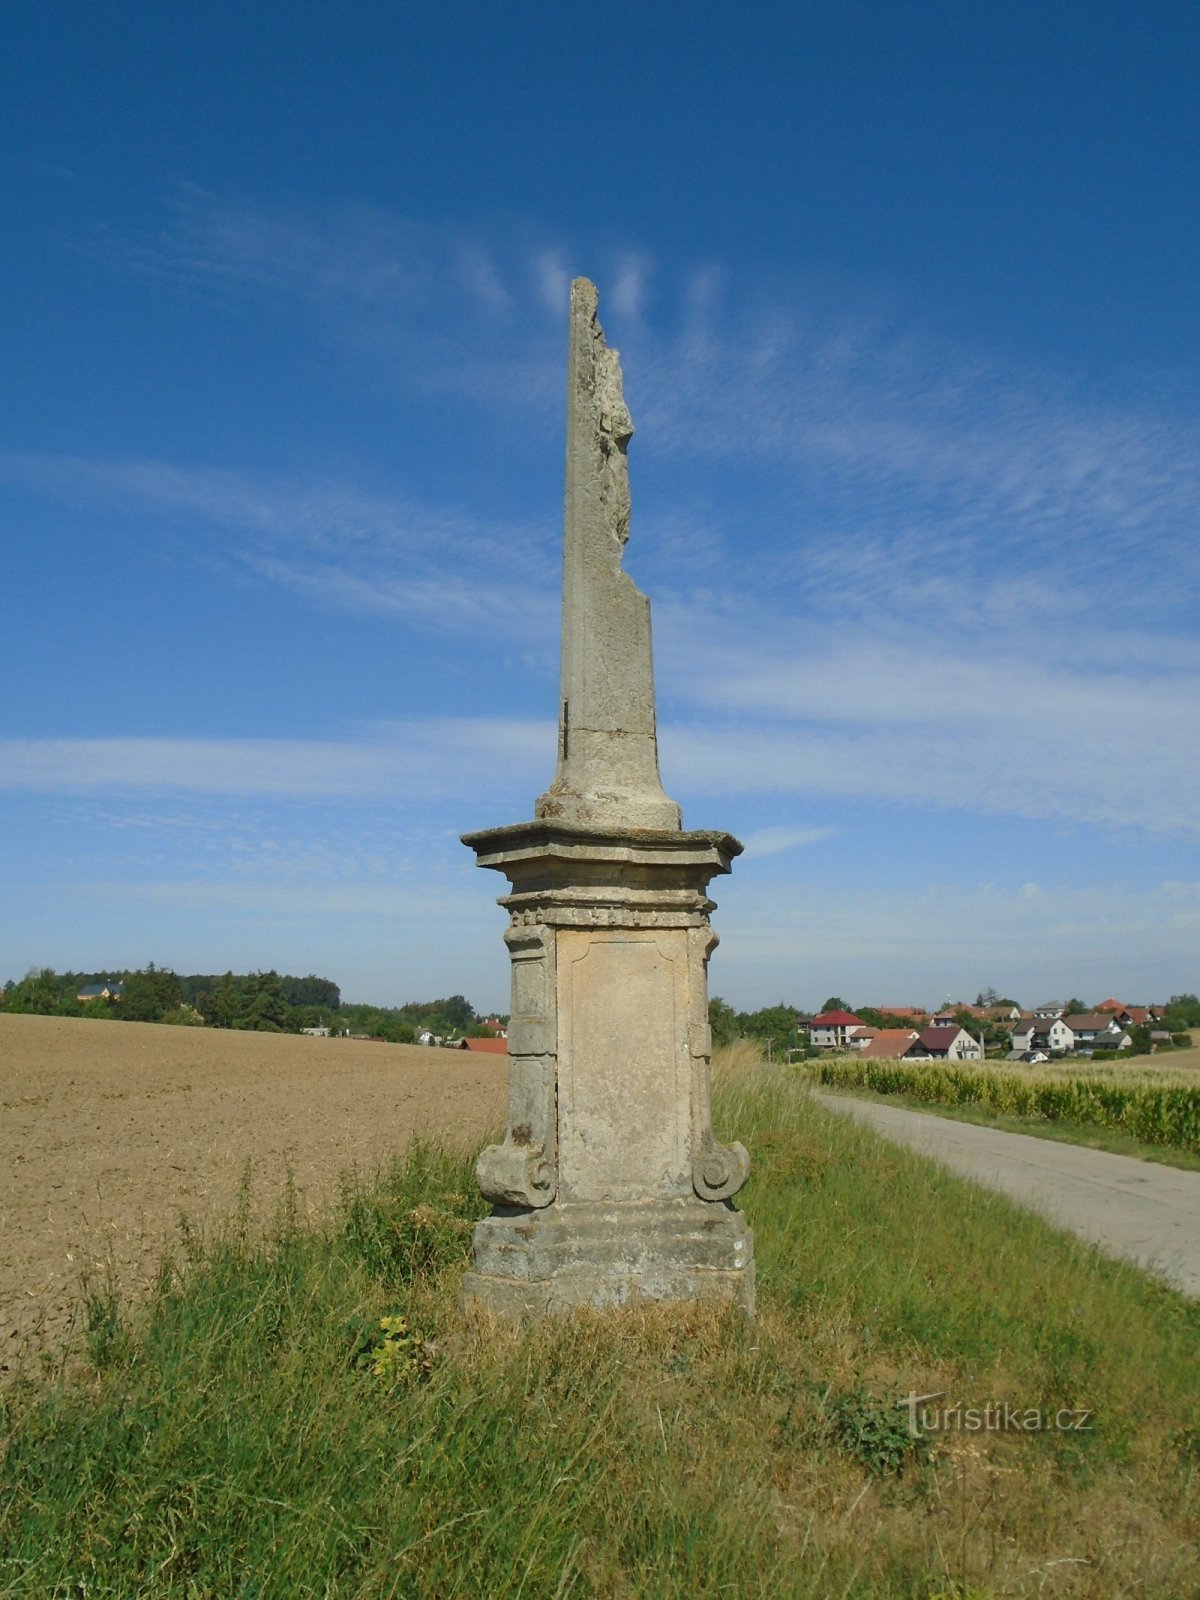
[1154, 1109]
[308, 1414]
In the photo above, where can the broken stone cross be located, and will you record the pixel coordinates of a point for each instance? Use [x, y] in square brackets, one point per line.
[610, 1185]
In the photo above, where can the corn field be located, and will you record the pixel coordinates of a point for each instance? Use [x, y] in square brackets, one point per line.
[1157, 1107]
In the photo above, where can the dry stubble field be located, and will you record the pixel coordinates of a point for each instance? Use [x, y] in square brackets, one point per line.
[110, 1130]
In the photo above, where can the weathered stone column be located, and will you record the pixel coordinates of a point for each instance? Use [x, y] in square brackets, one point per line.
[610, 1184]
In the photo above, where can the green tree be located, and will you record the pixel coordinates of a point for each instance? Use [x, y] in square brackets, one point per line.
[396, 1029]
[835, 1003]
[1182, 1011]
[455, 1014]
[261, 1007]
[216, 1000]
[147, 995]
[776, 1025]
[312, 991]
[723, 1021]
[41, 992]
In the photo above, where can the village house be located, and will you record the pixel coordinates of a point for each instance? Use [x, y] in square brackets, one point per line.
[1082, 1033]
[486, 1047]
[909, 1013]
[834, 1030]
[100, 991]
[946, 1017]
[1096, 1031]
[944, 1044]
[1035, 1032]
[1129, 1016]
[888, 1044]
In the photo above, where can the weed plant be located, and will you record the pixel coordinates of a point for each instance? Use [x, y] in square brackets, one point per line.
[308, 1415]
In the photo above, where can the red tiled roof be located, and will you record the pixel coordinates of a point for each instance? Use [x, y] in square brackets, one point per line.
[889, 1044]
[940, 1038]
[491, 1047]
[835, 1019]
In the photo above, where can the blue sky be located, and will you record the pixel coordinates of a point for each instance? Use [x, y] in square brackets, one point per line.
[905, 299]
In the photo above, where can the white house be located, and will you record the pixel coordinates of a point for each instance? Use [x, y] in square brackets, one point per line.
[834, 1030]
[1042, 1033]
[944, 1044]
[1097, 1030]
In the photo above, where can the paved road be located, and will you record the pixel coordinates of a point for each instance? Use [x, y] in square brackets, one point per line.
[1136, 1209]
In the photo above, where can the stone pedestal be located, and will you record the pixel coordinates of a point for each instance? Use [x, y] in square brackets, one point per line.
[610, 1185]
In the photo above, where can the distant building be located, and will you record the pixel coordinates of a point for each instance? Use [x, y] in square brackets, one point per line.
[1042, 1032]
[944, 1044]
[1097, 1030]
[1129, 1016]
[889, 1044]
[100, 991]
[833, 1030]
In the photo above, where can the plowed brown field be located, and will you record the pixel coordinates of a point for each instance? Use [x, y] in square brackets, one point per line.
[110, 1130]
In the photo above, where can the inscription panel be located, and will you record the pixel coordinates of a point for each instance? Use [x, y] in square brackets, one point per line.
[624, 1066]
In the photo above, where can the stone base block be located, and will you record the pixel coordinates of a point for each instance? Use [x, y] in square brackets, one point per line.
[530, 1263]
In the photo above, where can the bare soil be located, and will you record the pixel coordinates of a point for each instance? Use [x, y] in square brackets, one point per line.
[109, 1131]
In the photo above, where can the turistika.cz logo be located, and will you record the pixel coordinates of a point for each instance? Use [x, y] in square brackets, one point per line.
[997, 1416]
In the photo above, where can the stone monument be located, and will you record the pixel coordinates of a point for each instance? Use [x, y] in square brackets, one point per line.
[610, 1185]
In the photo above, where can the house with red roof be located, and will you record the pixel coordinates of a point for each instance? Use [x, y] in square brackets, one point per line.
[1128, 1016]
[833, 1030]
[889, 1044]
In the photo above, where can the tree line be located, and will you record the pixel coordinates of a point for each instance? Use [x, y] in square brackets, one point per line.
[262, 1002]
[273, 1002]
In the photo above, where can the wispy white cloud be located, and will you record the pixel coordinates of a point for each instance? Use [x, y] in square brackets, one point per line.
[891, 568]
[885, 469]
[552, 280]
[775, 840]
[405, 762]
[1143, 783]
[423, 901]
[1039, 777]
[892, 467]
[630, 280]
[875, 947]
[443, 568]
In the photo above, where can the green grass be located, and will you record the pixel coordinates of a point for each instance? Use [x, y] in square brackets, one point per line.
[232, 1438]
[1087, 1134]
